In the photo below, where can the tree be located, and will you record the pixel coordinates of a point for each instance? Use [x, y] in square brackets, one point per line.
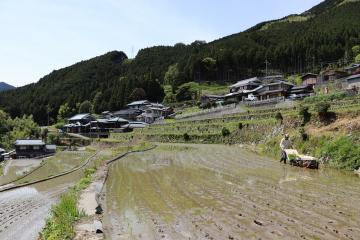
[137, 94]
[64, 112]
[184, 93]
[356, 50]
[97, 103]
[171, 74]
[357, 58]
[44, 134]
[279, 117]
[85, 107]
[225, 132]
[304, 114]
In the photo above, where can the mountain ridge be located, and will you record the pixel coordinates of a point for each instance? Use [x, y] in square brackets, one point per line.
[5, 86]
[293, 44]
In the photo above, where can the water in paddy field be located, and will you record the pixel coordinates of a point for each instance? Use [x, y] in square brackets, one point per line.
[227, 192]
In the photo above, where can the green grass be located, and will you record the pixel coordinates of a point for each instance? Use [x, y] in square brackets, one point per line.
[63, 216]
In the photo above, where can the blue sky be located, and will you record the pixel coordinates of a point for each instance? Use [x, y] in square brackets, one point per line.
[38, 36]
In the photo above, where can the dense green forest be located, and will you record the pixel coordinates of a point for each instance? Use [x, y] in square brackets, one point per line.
[295, 44]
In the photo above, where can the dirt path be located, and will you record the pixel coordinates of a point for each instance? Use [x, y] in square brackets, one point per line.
[222, 192]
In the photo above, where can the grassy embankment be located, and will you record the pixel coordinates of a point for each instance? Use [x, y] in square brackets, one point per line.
[335, 143]
[60, 225]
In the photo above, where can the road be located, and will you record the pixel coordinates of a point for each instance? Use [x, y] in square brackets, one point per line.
[226, 192]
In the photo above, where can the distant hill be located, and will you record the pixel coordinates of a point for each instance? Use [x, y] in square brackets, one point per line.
[294, 44]
[4, 86]
[106, 76]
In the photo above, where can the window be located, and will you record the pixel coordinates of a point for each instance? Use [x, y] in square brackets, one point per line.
[22, 147]
[36, 147]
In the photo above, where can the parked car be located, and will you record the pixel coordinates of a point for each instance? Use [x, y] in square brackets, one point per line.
[251, 97]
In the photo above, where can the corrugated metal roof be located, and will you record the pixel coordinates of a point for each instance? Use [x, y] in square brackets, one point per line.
[245, 82]
[28, 142]
[139, 103]
[79, 116]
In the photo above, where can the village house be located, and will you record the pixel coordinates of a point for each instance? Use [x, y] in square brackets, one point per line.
[128, 114]
[309, 79]
[353, 69]
[101, 128]
[275, 89]
[79, 123]
[301, 91]
[330, 76]
[29, 148]
[353, 82]
[151, 115]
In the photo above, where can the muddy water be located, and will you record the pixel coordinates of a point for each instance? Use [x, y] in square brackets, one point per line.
[223, 192]
[23, 211]
[15, 168]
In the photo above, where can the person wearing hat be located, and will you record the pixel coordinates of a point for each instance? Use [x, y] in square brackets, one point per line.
[285, 144]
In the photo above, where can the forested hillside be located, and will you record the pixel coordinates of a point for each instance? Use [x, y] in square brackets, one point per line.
[295, 44]
[104, 77]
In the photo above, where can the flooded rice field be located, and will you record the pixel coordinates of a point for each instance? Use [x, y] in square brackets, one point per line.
[226, 192]
[61, 162]
[23, 211]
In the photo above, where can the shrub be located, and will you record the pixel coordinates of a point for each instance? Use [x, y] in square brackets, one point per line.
[304, 136]
[225, 132]
[186, 137]
[241, 125]
[279, 117]
[304, 114]
[322, 108]
[342, 152]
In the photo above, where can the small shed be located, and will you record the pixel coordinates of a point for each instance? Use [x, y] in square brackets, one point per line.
[29, 148]
[309, 79]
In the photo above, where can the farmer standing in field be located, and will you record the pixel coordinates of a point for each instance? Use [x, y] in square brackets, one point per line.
[285, 144]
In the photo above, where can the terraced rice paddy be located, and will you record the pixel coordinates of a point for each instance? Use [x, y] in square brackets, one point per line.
[226, 192]
[61, 162]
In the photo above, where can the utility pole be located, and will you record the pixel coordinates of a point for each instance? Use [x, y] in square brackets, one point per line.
[266, 64]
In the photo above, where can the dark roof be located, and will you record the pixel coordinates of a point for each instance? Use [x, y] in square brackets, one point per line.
[127, 112]
[353, 77]
[309, 74]
[29, 142]
[356, 65]
[301, 87]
